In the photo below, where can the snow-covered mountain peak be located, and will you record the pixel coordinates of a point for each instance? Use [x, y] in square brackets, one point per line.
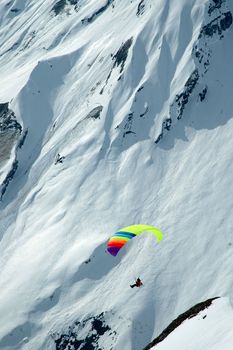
[113, 112]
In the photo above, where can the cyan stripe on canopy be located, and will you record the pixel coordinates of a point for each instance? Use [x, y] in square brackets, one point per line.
[124, 234]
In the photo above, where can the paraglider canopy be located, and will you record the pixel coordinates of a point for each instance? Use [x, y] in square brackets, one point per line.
[121, 237]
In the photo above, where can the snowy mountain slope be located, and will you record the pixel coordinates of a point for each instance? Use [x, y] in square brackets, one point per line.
[136, 97]
[210, 329]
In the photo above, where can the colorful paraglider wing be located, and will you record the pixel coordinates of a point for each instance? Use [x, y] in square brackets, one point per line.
[120, 238]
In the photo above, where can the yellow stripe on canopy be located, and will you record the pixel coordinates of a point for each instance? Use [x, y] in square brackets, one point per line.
[137, 229]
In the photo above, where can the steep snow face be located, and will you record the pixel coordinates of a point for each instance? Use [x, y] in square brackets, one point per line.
[135, 97]
[210, 329]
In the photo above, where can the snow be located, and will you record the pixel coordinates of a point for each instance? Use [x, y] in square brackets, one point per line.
[54, 218]
[210, 329]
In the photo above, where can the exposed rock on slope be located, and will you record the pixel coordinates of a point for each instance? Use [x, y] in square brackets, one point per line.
[86, 335]
[192, 312]
[10, 131]
[218, 22]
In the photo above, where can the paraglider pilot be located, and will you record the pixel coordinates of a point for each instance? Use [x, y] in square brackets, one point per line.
[59, 159]
[138, 283]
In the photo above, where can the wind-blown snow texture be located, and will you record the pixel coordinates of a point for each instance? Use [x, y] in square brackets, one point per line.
[135, 97]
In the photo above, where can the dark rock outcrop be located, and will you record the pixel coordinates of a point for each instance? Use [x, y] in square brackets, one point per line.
[10, 133]
[93, 17]
[181, 101]
[8, 178]
[216, 4]
[141, 8]
[203, 93]
[94, 327]
[217, 25]
[60, 5]
[219, 20]
[8, 119]
[120, 57]
[95, 113]
[183, 98]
